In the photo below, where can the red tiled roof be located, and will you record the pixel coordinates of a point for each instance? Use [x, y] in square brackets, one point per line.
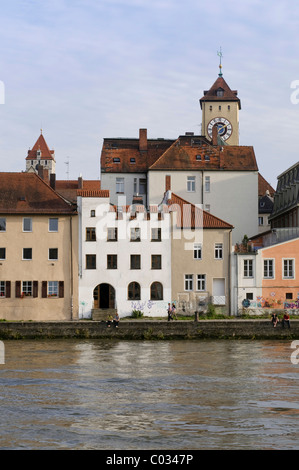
[228, 94]
[192, 216]
[124, 156]
[93, 193]
[68, 188]
[264, 186]
[40, 144]
[193, 153]
[27, 193]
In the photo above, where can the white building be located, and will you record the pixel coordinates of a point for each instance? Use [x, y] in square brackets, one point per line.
[124, 258]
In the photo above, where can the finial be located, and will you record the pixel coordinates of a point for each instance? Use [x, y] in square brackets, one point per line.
[41, 131]
[219, 53]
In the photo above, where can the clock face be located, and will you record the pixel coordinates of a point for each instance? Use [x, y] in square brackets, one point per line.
[224, 127]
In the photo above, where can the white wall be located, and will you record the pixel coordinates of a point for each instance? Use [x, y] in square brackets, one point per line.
[120, 278]
[108, 181]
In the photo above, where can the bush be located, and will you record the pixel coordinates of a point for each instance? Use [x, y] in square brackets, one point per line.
[137, 314]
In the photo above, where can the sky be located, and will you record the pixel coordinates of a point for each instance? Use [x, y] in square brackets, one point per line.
[83, 70]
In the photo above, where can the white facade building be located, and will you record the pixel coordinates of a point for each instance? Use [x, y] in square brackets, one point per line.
[124, 259]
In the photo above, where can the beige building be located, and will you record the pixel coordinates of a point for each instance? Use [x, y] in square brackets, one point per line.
[38, 251]
[200, 265]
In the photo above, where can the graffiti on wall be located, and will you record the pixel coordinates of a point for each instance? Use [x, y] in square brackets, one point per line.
[271, 302]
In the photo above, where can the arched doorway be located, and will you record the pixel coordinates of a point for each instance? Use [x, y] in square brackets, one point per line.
[104, 296]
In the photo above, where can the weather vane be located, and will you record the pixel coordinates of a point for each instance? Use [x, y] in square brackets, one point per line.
[219, 53]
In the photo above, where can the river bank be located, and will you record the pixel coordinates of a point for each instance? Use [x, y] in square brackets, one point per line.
[150, 330]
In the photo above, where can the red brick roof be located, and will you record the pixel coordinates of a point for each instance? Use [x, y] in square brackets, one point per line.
[27, 193]
[264, 186]
[40, 144]
[228, 94]
[194, 153]
[192, 216]
[93, 193]
[69, 188]
[124, 155]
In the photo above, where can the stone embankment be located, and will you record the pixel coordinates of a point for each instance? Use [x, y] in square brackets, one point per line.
[150, 330]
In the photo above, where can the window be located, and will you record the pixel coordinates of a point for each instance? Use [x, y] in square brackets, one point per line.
[91, 261]
[53, 254]
[188, 282]
[198, 157]
[2, 224]
[220, 92]
[207, 207]
[268, 268]
[135, 262]
[191, 184]
[289, 296]
[211, 107]
[135, 186]
[288, 269]
[249, 296]
[112, 234]
[90, 234]
[207, 158]
[156, 291]
[197, 250]
[27, 288]
[53, 289]
[142, 186]
[2, 253]
[156, 262]
[248, 268]
[120, 185]
[27, 253]
[261, 220]
[134, 291]
[27, 224]
[201, 282]
[135, 234]
[132, 160]
[156, 235]
[92, 213]
[218, 250]
[53, 224]
[228, 107]
[207, 184]
[2, 289]
[111, 261]
[116, 160]
[219, 108]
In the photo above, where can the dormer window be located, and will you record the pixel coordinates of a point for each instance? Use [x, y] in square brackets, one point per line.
[116, 160]
[38, 153]
[220, 92]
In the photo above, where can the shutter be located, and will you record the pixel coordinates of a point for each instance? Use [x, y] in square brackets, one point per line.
[7, 289]
[35, 288]
[61, 289]
[18, 288]
[44, 289]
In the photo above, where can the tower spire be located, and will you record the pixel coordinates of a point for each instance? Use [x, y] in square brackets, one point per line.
[219, 53]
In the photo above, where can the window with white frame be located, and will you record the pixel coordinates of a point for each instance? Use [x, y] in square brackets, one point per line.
[248, 267]
[197, 247]
[52, 288]
[27, 288]
[2, 289]
[268, 268]
[207, 184]
[188, 282]
[191, 184]
[288, 268]
[201, 282]
[120, 185]
[53, 224]
[261, 220]
[27, 224]
[218, 250]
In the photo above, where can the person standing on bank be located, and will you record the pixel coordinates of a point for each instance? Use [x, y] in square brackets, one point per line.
[173, 312]
[169, 312]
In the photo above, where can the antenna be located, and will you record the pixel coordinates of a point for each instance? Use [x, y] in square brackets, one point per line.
[219, 53]
[67, 167]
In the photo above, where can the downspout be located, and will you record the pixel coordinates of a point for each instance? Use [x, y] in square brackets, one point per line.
[72, 277]
[229, 272]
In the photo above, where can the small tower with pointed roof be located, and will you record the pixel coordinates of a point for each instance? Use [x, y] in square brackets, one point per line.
[220, 108]
[40, 155]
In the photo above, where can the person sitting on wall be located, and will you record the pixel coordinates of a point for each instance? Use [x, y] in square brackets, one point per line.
[109, 321]
[274, 319]
[286, 320]
[116, 320]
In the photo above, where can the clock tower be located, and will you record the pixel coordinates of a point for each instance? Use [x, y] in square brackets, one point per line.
[220, 107]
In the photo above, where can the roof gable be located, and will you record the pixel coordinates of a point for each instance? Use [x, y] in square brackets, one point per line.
[226, 95]
[40, 144]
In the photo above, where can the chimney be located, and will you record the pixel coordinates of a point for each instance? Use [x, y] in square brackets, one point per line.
[43, 173]
[167, 183]
[80, 182]
[53, 180]
[214, 135]
[143, 140]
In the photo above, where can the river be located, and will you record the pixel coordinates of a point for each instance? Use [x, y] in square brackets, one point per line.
[140, 395]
